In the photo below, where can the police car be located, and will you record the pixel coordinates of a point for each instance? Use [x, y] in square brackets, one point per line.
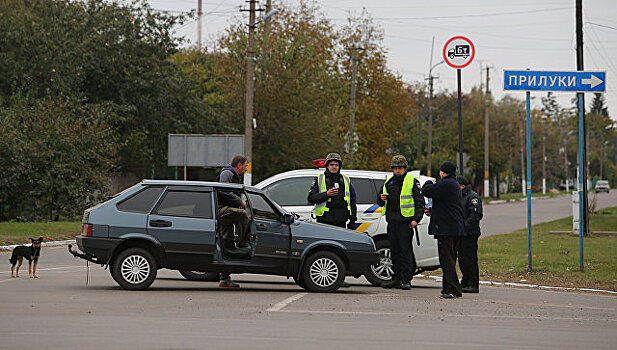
[290, 189]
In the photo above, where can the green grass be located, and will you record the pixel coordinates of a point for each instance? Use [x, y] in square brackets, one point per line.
[555, 257]
[18, 232]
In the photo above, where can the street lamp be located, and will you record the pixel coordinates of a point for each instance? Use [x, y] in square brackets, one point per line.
[430, 118]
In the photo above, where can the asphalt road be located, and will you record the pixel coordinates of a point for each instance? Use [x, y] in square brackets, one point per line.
[508, 217]
[59, 311]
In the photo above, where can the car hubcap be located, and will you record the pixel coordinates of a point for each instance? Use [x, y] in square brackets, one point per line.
[135, 269]
[324, 272]
[383, 269]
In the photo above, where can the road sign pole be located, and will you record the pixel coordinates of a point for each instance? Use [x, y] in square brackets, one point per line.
[581, 192]
[460, 125]
[529, 257]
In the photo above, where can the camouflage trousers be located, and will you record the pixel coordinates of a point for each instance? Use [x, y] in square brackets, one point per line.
[230, 217]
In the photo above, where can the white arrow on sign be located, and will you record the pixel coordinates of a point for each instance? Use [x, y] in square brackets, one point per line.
[594, 81]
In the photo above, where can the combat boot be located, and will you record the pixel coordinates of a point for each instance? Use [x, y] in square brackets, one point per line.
[394, 283]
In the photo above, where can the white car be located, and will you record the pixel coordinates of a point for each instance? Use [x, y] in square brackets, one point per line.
[290, 189]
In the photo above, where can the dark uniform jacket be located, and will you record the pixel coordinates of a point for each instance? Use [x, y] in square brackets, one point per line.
[337, 212]
[393, 209]
[447, 212]
[229, 175]
[472, 206]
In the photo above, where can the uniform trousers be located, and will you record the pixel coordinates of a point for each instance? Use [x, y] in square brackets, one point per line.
[468, 261]
[446, 246]
[400, 237]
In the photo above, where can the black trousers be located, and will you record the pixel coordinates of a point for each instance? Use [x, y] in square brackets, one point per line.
[403, 260]
[468, 261]
[446, 245]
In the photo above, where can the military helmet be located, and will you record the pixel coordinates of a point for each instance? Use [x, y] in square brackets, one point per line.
[399, 160]
[334, 156]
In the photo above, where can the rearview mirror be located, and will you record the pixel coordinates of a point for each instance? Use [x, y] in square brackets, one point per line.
[288, 219]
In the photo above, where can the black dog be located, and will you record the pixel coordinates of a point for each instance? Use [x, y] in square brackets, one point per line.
[31, 253]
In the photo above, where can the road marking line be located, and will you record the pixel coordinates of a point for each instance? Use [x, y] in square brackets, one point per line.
[286, 302]
[370, 313]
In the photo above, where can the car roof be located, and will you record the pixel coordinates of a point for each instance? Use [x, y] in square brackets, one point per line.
[381, 175]
[198, 183]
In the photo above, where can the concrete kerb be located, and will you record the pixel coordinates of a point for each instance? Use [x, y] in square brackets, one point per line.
[531, 286]
[436, 278]
[44, 244]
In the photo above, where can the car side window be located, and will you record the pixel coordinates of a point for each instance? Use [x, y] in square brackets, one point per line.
[292, 191]
[261, 208]
[365, 193]
[378, 187]
[187, 204]
[142, 201]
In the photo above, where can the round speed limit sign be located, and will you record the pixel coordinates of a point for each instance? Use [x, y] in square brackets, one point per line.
[458, 52]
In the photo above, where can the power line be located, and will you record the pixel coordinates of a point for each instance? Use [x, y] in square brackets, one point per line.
[474, 15]
[601, 25]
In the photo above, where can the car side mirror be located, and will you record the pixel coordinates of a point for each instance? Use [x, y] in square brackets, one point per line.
[288, 219]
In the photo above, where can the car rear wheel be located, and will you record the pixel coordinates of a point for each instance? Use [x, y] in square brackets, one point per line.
[323, 271]
[200, 276]
[134, 269]
[383, 271]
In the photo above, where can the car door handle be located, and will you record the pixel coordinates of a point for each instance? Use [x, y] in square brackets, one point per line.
[160, 223]
[261, 227]
[369, 218]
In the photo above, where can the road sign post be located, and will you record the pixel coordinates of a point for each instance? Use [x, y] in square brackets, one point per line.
[557, 81]
[458, 52]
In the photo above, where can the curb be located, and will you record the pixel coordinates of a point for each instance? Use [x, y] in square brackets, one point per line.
[531, 286]
[44, 244]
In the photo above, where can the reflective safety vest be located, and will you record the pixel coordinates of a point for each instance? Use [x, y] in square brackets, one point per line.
[321, 208]
[408, 208]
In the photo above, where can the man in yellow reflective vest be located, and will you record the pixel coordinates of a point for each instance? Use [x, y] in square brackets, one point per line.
[403, 207]
[334, 196]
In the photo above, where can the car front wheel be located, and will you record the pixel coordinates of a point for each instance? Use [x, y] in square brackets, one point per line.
[323, 271]
[134, 269]
[383, 271]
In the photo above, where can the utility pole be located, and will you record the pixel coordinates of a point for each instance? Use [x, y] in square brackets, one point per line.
[351, 139]
[429, 153]
[523, 182]
[581, 96]
[565, 164]
[199, 14]
[486, 134]
[543, 157]
[249, 121]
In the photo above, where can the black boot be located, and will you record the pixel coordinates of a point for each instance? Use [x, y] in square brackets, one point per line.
[394, 283]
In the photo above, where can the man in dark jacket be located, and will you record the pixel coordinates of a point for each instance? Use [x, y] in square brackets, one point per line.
[404, 207]
[467, 249]
[334, 196]
[231, 212]
[447, 225]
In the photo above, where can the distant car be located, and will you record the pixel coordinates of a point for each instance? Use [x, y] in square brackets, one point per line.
[174, 224]
[290, 189]
[602, 186]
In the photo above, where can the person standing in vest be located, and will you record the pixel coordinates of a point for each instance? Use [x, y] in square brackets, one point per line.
[467, 250]
[447, 225]
[403, 207]
[334, 196]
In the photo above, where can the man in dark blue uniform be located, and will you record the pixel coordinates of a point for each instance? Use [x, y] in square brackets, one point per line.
[447, 225]
[467, 249]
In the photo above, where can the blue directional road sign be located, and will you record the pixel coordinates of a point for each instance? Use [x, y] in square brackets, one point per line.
[565, 81]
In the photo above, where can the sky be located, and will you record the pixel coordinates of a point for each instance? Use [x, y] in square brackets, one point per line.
[540, 35]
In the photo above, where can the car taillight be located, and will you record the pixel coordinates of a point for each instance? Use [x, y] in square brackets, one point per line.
[86, 230]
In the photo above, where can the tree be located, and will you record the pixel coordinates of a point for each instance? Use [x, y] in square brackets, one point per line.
[597, 105]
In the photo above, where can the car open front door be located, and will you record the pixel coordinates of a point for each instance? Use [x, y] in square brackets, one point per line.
[270, 234]
[184, 223]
